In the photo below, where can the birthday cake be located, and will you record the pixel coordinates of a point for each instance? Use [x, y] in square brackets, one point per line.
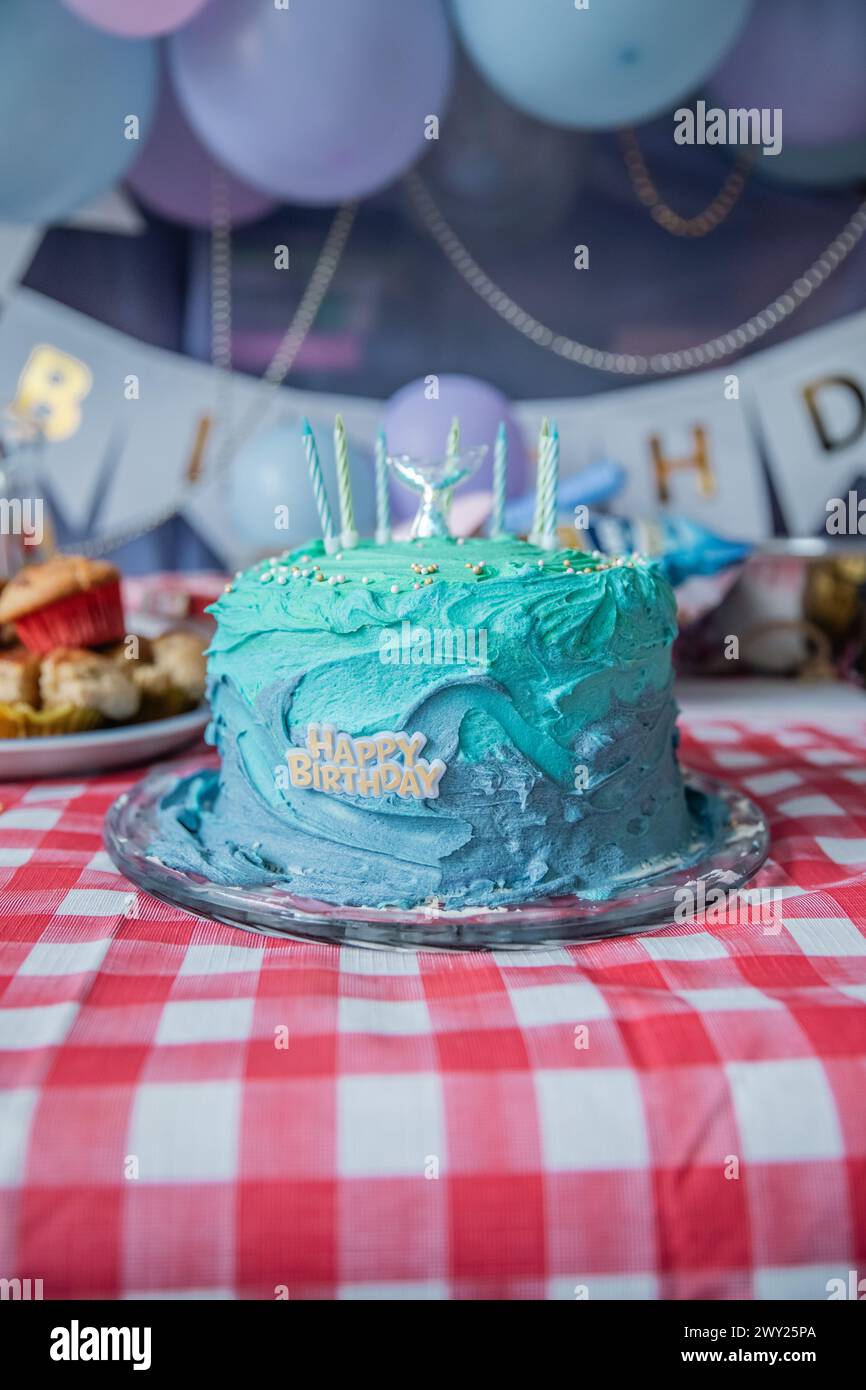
[464, 723]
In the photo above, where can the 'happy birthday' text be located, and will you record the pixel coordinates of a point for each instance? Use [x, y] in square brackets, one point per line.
[365, 766]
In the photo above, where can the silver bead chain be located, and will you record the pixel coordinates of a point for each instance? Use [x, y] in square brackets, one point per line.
[627, 363]
[278, 368]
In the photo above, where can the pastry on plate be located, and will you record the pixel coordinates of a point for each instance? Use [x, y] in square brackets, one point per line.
[20, 700]
[88, 681]
[69, 601]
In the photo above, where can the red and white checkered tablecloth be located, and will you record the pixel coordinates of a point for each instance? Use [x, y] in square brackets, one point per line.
[430, 1128]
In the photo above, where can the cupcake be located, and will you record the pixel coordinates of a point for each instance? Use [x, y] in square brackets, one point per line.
[20, 697]
[88, 681]
[19, 690]
[174, 680]
[67, 602]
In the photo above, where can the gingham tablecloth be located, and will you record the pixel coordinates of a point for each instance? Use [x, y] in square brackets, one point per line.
[187, 1109]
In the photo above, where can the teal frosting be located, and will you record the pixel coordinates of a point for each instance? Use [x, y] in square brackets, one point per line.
[519, 666]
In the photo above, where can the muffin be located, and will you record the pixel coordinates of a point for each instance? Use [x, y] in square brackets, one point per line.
[174, 681]
[88, 681]
[20, 715]
[67, 602]
[19, 676]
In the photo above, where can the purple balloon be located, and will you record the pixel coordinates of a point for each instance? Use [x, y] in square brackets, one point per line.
[318, 102]
[805, 58]
[136, 18]
[173, 175]
[418, 426]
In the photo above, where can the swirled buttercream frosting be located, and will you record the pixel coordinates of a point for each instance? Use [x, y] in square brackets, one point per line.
[475, 723]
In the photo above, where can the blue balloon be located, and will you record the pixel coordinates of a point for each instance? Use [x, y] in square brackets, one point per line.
[270, 497]
[613, 63]
[66, 93]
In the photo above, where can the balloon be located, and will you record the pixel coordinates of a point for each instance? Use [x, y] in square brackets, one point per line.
[269, 471]
[136, 19]
[805, 58]
[173, 175]
[66, 93]
[418, 426]
[829, 166]
[316, 103]
[616, 62]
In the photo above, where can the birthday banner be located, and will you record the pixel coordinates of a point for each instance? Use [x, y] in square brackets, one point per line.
[130, 428]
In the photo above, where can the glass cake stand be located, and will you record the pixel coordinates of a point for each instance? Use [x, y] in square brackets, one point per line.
[730, 844]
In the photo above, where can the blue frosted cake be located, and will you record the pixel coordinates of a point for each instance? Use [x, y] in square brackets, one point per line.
[475, 723]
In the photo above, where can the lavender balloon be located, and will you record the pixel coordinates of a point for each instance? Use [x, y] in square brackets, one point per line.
[173, 175]
[805, 58]
[418, 426]
[316, 102]
[136, 19]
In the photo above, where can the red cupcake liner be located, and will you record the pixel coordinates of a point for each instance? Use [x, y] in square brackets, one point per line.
[89, 618]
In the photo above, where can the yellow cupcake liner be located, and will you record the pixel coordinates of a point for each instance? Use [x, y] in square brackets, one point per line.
[23, 721]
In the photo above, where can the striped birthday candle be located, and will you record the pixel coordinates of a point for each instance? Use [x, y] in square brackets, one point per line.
[551, 491]
[540, 472]
[383, 499]
[348, 534]
[320, 496]
[500, 480]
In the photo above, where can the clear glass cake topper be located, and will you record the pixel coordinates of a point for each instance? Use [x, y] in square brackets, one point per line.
[434, 480]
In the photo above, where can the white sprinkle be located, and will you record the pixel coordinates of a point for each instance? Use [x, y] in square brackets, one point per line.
[281, 579]
[395, 588]
[341, 578]
[365, 579]
[461, 540]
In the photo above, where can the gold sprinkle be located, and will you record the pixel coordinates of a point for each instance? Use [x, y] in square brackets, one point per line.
[428, 581]
[319, 576]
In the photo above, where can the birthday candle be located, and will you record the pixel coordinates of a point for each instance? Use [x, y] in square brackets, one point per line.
[331, 539]
[540, 475]
[452, 449]
[348, 534]
[383, 500]
[500, 474]
[551, 491]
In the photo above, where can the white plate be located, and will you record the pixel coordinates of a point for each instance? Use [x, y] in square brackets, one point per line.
[101, 748]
